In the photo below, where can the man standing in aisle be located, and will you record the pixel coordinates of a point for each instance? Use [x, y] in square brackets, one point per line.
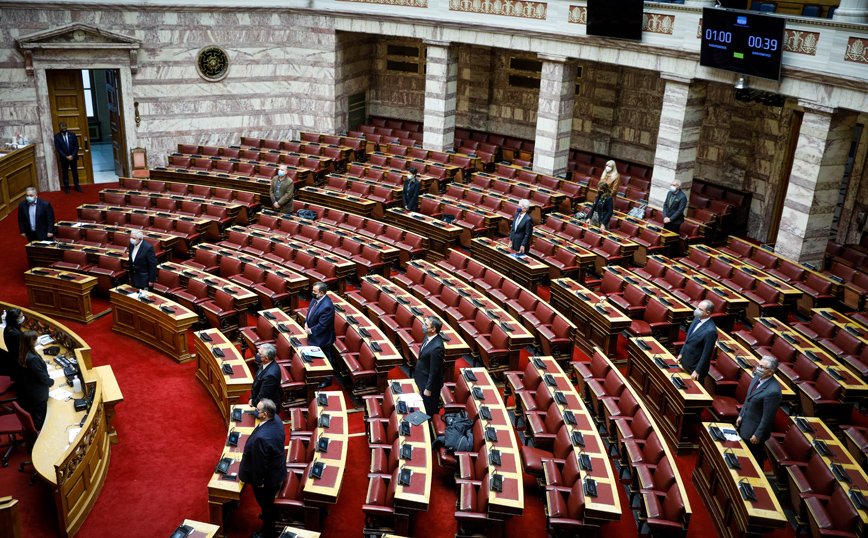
[429, 368]
[282, 191]
[522, 228]
[263, 465]
[35, 217]
[66, 144]
[319, 324]
[757, 415]
[698, 347]
[143, 262]
[410, 195]
[674, 207]
[266, 382]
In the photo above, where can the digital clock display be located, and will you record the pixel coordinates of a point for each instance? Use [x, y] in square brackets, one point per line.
[742, 42]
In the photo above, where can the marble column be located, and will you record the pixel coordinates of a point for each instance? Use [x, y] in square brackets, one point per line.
[441, 89]
[852, 11]
[815, 182]
[605, 103]
[678, 136]
[554, 123]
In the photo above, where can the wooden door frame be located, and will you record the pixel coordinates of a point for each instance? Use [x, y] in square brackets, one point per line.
[85, 158]
[97, 48]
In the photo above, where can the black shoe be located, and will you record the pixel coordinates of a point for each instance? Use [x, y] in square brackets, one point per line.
[79, 189]
[66, 190]
[325, 383]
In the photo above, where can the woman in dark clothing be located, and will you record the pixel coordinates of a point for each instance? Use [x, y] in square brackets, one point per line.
[36, 378]
[11, 335]
[604, 205]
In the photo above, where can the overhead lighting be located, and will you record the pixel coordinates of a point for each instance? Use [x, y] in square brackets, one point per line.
[741, 84]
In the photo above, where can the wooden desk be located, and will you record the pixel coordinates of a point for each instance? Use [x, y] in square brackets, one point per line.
[74, 471]
[301, 533]
[165, 241]
[319, 493]
[242, 297]
[441, 236]
[225, 389]
[747, 361]
[456, 347]
[201, 530]
[841, 321]
[717, 484]
[44, 253]
[62, 294]
[676, 411]
[233, 209]
[593, 327]
[606, 506]
[258, 185]
[342, 202]
[111, 397]
[164, 331]
[223, 493]
[526, 271]
[286, 328]
[18, 171]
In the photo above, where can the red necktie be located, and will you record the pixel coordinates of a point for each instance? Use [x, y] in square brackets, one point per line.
[755, 387]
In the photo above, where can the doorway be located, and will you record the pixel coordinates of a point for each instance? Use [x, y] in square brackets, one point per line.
[90, 100]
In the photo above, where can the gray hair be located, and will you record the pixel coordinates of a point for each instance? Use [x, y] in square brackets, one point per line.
[138, 234]
[773, 362]
[268, 407]
[436, 323]
[30, 189]
[677, 182]
[269, 351]
[525, 203]
[706, 305]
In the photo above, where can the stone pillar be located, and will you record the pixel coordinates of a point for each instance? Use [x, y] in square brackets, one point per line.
[815, 182]
[605, 102]
[852, 11]
[441, 88]
[678, 136]
[554, 123]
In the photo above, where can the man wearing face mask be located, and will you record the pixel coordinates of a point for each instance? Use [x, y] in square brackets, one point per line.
[35, 217]
[428, 373]
[143, 262]
[698, 347]
[266, 382]
[674, 207]
[410, 195]
[757, 415]
[263, 465]
[282, 191]
[522, 228]
[319, 324]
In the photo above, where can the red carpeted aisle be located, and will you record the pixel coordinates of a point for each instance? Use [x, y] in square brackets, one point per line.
[171, 435]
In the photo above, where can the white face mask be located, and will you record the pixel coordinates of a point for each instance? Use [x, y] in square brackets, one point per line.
[281, 173]
[608, 169]
[697, 313]
[133, 242]
[672, 188]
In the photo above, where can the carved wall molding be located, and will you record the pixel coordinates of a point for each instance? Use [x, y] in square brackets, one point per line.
[508, 8]
[76, 36]
[857, 51]
[801, 42]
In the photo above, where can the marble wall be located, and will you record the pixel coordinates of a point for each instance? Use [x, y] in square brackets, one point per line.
[396, 94]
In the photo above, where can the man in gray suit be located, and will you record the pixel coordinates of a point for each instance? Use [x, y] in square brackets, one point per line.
[698, 347]
[757, 415]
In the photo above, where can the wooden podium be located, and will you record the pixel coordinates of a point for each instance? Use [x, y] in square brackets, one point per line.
[149, 323]
[60, 294]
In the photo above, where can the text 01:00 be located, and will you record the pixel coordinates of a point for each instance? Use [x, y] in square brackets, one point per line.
[722, 37]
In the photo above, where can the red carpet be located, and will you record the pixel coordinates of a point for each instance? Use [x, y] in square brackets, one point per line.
[171, 434]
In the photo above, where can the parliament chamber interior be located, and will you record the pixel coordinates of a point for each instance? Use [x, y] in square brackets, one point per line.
[556, 194]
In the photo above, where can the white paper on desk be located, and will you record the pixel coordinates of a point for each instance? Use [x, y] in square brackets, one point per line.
[413, 400]
[76, 225]
[44, 340]
[72, 433]
[730, 434]
[60, 394]
[518, 256]
[312, 351]
[54, 374]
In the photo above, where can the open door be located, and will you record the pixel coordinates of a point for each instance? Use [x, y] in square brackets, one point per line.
[66, 94]
[116, 120]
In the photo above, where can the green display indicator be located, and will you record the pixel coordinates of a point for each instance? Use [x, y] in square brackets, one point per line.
[738, 55]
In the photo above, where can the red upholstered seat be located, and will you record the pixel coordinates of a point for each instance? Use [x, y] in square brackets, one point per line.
[670, 516]
[726, 408]
[109, 273]
[73, 260]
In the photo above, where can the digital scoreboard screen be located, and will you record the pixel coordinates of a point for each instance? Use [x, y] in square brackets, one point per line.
[742, 42]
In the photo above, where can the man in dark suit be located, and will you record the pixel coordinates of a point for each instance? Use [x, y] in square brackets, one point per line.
[266, 382]
[143, 262]
[674, 207]
[263, 465]
[66, 144]
[698, 347]
[319, 324]
[522, 228]
[35, 217]
[411, 191]
[757, 415]
[429, 368]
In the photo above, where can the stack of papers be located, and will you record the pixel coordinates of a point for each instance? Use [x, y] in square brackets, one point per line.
[54, 374]
[313, 351]
[44, 340]
[60, 394]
